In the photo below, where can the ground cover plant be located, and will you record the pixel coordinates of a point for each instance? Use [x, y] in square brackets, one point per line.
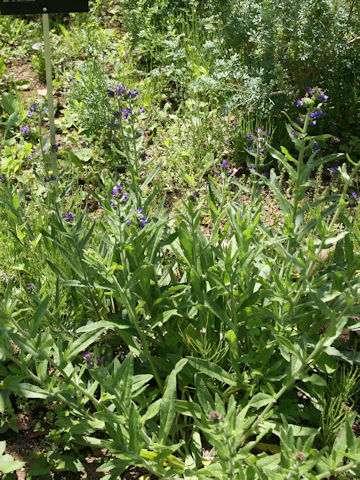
[180, 300]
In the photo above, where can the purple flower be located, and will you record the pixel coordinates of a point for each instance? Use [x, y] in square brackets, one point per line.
[126, 112]
[316, 147]
[299, 120]
[225, 164]
[143, 155]
[250, 148]
[116, 113]
[47, 179]
[120, 90]
[134, 93]
[68, 216]
[249, 135]
[140, 210]
[99, 360]
[142, 110]
[3, 178]
[266, 174]
[262, 151]
[111, 204]
[25, 129]
[128, 223]
[355, 195]
[298, 102]
[334, 171]
[309, 90]
[111, 93]
[86, 355]
[292, 133]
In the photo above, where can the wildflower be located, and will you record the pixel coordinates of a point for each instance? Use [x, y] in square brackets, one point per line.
[292, 133]
[298, 102]
[262, 151]
[225, 164]
[120, 90]
[115, 191]
[316, 146]
[133, 94]
[334, 171]
[249, 135]
[299, 120]
[49, 179]
[111, 204]
[142, 110]
[126, 112]
[250, 148]
[323, 97]
[99, 360]
[86, 355]
[215, 417]
[128, 223]
[143, 155]
[299, 457]
[111, 93]
[68, 216]
[25, 129]
[355, 195]
[266, 174]
[309, 90]
[3, 178]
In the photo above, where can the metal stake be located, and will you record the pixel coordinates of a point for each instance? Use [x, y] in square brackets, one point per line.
[45, 21]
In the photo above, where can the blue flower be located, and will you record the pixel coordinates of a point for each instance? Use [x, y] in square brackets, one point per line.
[250, 148]
[298, 102]
[225, 164]
[309, 90]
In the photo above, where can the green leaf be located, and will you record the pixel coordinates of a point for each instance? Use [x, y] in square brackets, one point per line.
[212, 370]
[168, 408]
[30, 391]
[8, 464]
[38, 315]
[82, 343]
[260, 400]
[84, 154]
[134, 429]
[40, 467]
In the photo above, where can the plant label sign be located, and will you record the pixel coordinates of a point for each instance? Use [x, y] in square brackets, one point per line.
[22, 7]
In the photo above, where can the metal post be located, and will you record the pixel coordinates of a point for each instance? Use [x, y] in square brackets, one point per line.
[45, 21]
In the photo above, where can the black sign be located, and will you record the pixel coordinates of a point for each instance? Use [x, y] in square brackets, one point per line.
[20, 7]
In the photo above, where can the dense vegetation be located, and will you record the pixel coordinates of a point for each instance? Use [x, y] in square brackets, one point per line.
[180, 290]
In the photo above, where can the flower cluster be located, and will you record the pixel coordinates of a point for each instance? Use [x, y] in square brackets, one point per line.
[68, 216]
[141, 218]
[311, 102]
[257, 141]
[25, 129]
[117, 193]
[89, 357]
[50, 179]
[121, 91]
[32, 111]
